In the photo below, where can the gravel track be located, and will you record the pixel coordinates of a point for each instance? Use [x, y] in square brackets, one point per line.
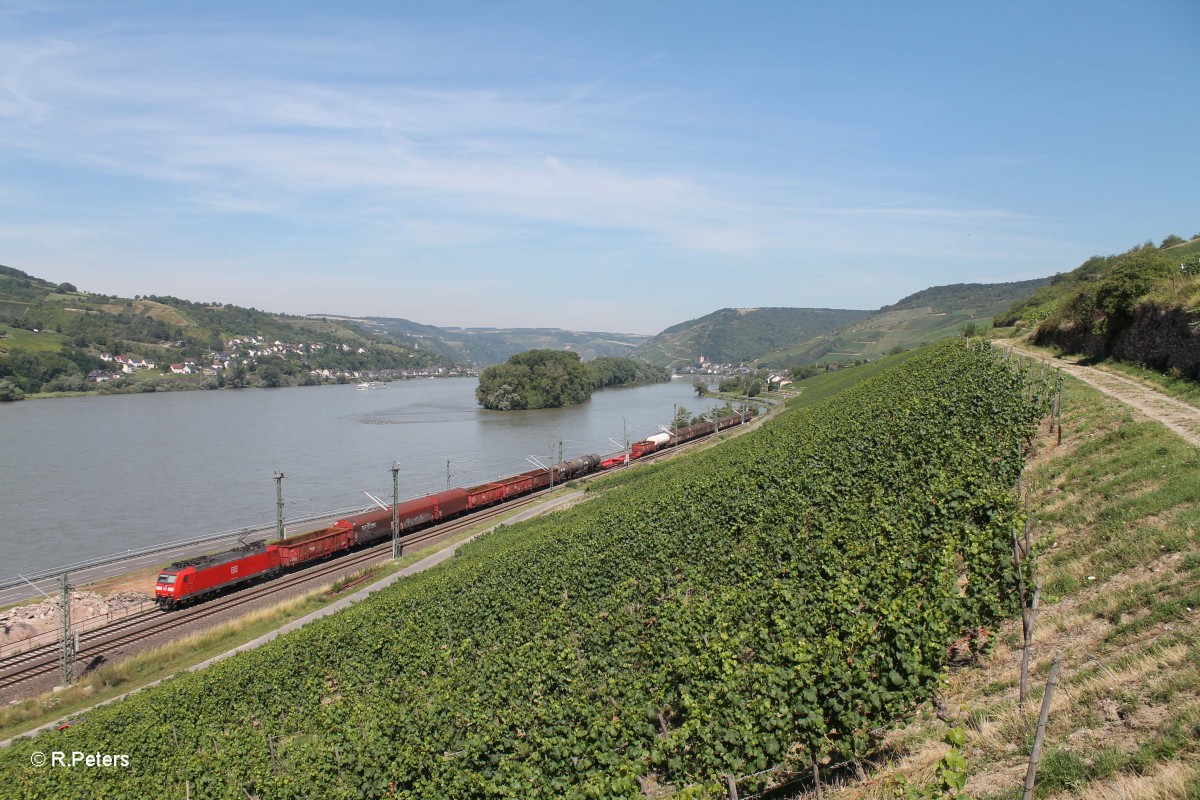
[1179, 417]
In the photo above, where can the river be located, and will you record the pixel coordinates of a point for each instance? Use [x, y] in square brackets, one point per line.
[86, 477]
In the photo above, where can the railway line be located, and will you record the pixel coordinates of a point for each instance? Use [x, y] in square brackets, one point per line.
[25, 667]
[45, 660]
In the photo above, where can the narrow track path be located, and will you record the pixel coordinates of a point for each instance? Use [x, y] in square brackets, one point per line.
[1178, 416]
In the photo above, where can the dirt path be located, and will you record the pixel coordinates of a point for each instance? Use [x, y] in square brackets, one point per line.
[1178, 416]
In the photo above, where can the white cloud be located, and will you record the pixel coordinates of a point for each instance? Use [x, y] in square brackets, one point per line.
[388, 146]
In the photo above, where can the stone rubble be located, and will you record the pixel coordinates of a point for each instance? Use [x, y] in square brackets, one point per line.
[23, 622]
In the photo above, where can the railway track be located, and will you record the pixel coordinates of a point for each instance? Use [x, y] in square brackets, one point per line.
[23, 667]
[45, 660]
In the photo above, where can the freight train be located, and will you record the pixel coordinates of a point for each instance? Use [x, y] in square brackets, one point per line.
[198, 578]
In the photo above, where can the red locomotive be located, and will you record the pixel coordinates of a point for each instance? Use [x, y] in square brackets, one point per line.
[198, 578]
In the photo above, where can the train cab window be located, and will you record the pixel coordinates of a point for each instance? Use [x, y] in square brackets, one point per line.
[167, 579]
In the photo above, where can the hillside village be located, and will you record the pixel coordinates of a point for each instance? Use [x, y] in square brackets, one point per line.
[251, 352]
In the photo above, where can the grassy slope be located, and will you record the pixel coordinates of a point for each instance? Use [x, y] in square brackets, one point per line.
[20, 339]
[1117, 516]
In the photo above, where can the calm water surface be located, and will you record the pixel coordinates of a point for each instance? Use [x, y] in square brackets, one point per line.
[85, 477]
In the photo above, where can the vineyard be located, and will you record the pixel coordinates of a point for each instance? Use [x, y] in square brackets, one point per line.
[760, 606]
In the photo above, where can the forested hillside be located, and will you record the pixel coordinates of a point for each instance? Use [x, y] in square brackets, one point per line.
[53, 335]
[482, 347]
[783, 338]
[920, 318]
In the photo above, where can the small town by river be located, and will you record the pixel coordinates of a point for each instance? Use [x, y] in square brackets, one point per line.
[86, 477]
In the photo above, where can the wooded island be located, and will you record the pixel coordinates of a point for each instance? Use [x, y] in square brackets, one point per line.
[555, 378]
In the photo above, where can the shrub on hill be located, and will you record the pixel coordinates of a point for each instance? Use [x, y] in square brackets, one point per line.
[1098, 318]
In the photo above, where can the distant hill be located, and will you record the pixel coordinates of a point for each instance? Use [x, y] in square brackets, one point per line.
[738, 335]
[482, 347]
[988, 299]
[924, 316]
[53, 335]
[788, 337]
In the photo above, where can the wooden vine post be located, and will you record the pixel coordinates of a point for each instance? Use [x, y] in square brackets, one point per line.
[1036, 756]
[1028, 614]
[1059, 407]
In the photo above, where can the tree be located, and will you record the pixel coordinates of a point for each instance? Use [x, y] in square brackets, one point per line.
[66, 288]
[535, 379]
[270, 376]
[682, 418]
[804, 371]
[701, 388]
[9, 392]
[1170, 241]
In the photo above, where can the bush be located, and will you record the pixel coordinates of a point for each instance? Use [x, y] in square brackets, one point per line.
[66, 383]
[1134, 275]
[9, 392]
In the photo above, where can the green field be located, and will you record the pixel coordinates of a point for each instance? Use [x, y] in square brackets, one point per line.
[17, 338]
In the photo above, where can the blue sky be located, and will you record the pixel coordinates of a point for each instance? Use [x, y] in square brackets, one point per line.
[618, 166]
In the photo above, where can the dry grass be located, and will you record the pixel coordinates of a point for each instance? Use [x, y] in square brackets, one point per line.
[1172, 781]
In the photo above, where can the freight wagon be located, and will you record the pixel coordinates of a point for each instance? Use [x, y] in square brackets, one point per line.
[187, 581]
[649, 444]
[312, 546]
